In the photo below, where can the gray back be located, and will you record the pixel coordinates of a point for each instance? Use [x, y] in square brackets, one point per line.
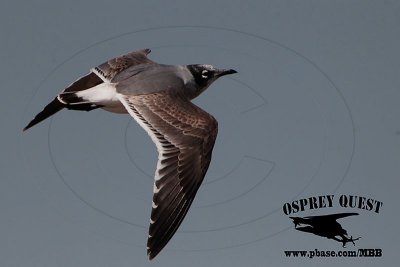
[150, 78]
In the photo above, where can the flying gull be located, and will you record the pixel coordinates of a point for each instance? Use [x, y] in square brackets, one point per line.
[159, 98]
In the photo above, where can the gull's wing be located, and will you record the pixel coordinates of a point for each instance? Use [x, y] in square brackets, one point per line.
[103, 73]
[83, 83]
[108, 70]
[184, 135]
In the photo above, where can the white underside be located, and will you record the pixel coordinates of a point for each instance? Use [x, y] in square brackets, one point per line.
[105, 95]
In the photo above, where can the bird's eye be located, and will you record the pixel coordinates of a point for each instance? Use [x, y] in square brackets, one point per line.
[204, 74]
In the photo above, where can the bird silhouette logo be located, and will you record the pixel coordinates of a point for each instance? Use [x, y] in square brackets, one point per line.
[325, 226]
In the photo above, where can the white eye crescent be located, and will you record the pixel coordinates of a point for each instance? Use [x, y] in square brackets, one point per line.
[204, 74]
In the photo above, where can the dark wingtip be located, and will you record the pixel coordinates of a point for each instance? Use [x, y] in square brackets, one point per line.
[52, 108]
[151, 254]
[153, 251]
[28, 126]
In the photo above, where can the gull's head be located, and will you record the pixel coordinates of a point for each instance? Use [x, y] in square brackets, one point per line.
[204, 75]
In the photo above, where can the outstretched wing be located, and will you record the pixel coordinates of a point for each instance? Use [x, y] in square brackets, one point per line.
[108, 70]
[184, 135]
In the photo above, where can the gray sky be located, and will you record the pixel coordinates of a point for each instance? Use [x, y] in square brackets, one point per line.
[313, 111]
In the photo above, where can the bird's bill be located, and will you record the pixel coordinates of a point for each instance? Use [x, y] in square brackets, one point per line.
[223, 72]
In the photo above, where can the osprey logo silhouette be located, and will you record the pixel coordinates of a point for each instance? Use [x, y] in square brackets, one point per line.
[333, 225]
[325, 226]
